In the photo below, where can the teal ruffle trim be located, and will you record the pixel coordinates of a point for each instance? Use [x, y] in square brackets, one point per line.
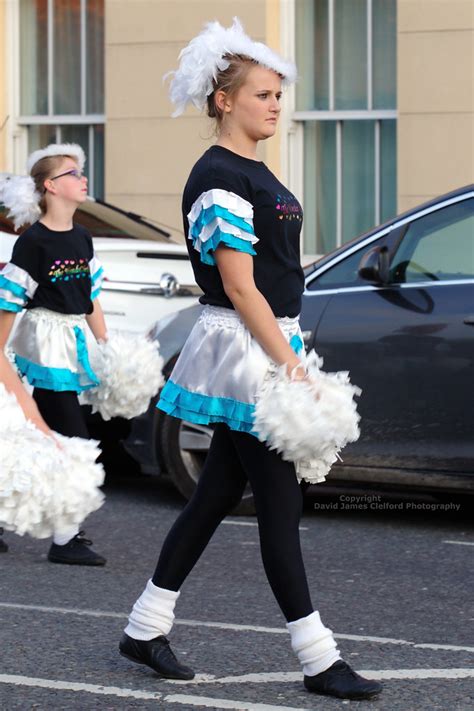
[210, 213]
[205, 409]
[9, 306]
[219, 237]
[60, 379]
[97, 275]
[83, 355]
[297, 344]
[12, 286]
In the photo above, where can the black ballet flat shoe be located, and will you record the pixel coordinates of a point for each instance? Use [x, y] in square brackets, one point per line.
[3, 545]
[76, 552]
[155, 653]
[342, 681]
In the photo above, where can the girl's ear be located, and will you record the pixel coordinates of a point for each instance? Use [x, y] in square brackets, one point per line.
[222, 101]
[49, 186]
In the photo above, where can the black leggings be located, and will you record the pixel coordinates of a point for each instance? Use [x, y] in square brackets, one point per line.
[61, 411]
[233, 459]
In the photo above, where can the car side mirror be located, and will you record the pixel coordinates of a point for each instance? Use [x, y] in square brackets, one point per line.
[374, 265]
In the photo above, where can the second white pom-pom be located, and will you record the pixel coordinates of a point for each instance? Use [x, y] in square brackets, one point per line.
[44, 488]
[130, 371]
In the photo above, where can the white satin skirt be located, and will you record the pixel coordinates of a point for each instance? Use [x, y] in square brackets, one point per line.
[220, 370]
[50, 351]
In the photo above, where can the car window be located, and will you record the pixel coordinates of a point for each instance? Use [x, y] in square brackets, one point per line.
[438, 246]
[344, 273]
[103, 220]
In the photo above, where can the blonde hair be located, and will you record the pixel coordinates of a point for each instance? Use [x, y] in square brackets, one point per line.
[228, 80]
[41, 171]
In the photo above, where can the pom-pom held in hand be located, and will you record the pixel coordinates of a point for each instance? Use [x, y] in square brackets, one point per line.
[44, 488]
[129, 368]
[308, 421]
[204, 57]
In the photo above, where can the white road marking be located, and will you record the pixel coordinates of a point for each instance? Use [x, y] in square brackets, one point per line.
[461, 543]
[449, 647]
[202, 701]
[227, 703]
[252, 523]
[268, 677]
[235, 627]
[381, 674]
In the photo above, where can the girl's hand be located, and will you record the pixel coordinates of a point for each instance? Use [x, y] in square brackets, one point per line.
[296, 372]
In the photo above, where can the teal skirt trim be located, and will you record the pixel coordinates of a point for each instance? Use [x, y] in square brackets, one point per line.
[206, 409]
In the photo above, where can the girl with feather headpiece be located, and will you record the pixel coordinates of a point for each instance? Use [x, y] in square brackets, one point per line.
[49, 479]
[243, 368]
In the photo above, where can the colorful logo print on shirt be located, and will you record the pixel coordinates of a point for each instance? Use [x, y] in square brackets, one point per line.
[288, 207]
[68, 269]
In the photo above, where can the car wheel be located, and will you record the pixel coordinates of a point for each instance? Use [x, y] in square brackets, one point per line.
[182, 448]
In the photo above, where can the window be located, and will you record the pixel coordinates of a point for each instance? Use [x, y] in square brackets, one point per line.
[346, 100]
[62, 78]
[438, 246]
[342, 275]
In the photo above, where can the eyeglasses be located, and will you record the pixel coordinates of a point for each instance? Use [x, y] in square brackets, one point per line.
[75, 173]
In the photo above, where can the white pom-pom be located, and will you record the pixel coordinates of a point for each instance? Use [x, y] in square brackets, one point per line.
[19, 195]
[129, 369]
[308, 421]
[44, 488]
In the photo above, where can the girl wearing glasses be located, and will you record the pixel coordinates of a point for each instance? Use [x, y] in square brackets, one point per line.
[55, 276]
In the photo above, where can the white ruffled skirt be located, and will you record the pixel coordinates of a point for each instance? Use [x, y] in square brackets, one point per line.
[50, 350]
[221, 369]
[224, 375]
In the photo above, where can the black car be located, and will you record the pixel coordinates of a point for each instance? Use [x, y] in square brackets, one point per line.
[394, 307]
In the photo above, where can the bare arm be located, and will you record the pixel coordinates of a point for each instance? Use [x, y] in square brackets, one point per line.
[236, 270]
[10, 379]
[96, 322]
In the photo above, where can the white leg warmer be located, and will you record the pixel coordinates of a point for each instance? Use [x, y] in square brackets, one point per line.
[65, 535]
[152, 614]
[313, 643]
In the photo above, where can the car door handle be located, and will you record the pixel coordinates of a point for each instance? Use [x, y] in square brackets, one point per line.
[469, 320]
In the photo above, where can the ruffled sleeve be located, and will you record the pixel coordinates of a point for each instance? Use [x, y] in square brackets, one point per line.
[97, 276]
[16, 288]
[221, 217]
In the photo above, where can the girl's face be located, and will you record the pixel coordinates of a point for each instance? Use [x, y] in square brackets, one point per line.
[67, 183]
[255, 108]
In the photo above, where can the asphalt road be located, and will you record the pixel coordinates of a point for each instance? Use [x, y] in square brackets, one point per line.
[392, 583]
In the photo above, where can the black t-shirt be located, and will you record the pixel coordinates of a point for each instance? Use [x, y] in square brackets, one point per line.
[239, 202]
[61, 264]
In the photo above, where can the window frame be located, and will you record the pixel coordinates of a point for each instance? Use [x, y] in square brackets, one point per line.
[88, 120]
[293, 146]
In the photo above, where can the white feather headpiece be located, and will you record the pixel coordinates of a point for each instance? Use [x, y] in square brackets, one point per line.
[203, 57]
[19, 195]
[57, 149]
